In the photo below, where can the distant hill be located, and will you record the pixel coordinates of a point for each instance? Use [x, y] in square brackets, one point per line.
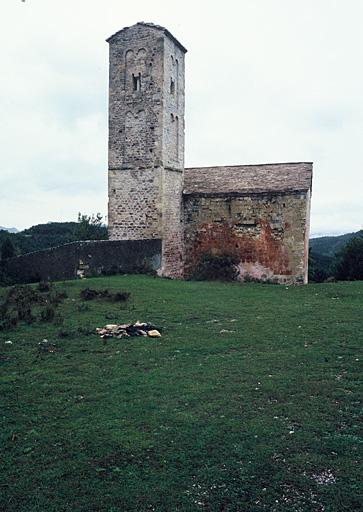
[41, 236]
[9, 230]
[52, 234]
[330, 245]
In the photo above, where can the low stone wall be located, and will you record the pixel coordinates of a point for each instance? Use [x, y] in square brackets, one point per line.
[85, 259]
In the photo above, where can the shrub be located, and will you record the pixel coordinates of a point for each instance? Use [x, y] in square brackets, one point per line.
[44, 286]
[48, 314]
[25, 314]
[213, 267]
[89, 294]
[23, 295]
[121, 296]
[8, 321]
[57, 297]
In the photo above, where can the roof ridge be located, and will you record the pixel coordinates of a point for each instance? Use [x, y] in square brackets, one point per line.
[248, 165]
[150, 25]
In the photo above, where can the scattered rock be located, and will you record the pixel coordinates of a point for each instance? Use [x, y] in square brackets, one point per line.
[154, 333]
[127, 330]
[45, 346]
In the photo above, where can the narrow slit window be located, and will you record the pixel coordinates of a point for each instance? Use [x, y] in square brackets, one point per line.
[172, 87]
[136, 82]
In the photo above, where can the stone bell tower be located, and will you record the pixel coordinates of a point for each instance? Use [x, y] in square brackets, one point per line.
[146, 140]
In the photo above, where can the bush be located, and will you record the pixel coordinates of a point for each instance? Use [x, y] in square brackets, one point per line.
[44, 286]
[57, 297]
[121, 296]
[48, 314]
[8, 321]
[220, 268]
[20, 300]
[23, 295]
[25, 314]
[90, 294]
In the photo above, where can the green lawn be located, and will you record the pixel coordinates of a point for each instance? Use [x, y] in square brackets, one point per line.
[248, 402]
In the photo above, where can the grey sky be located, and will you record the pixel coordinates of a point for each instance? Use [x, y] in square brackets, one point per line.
[267, 81]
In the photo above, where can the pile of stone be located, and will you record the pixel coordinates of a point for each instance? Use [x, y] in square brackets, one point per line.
[127, 330]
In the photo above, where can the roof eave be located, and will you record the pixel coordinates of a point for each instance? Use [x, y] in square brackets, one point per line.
[247, 192]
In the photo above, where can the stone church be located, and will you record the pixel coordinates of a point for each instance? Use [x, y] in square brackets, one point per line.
[259, 214]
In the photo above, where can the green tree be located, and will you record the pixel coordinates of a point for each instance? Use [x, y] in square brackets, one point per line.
[7, 249]
[349, 266]
[320, 267]
[90, 227]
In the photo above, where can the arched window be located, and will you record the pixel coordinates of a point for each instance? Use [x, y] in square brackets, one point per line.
[136, 82]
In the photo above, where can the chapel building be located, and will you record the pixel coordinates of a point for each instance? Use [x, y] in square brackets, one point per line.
[256, 214]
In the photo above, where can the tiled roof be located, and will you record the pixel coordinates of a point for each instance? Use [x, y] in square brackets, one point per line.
[242, 179]
[151, 25]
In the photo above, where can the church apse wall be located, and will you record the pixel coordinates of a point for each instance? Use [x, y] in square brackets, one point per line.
[265, 230]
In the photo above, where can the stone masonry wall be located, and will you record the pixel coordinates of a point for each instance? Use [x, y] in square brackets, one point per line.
[266, 232]
[135, 204]
[173, 157]
[135, 133]
[85, 259]
[146, 140]
[172, 244]
[174, 106]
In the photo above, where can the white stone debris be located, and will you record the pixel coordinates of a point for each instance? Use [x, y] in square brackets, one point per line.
[128, 330]
[154, 333]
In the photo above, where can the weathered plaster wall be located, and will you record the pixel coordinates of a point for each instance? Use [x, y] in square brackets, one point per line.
[88, 258]
[266, 232]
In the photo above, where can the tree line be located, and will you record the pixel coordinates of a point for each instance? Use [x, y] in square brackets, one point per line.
[43, 236]
[345, 265]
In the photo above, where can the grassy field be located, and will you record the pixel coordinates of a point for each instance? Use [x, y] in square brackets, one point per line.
[248, 402]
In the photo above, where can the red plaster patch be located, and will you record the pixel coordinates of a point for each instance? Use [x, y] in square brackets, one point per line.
[222, 239]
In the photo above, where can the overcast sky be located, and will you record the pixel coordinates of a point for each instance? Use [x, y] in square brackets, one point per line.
[266, 81]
